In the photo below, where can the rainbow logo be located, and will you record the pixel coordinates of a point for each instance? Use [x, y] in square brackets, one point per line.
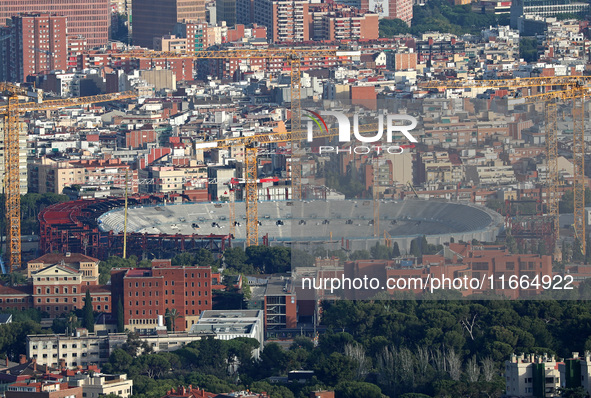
[316, 118]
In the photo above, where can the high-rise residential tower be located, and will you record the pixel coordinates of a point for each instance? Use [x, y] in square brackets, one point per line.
[156, 18]
[88, 18]
[35, 43]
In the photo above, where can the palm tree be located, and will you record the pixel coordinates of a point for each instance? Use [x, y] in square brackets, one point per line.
[173, 315]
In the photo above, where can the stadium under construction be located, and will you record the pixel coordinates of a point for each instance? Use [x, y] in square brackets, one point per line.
[157, 229]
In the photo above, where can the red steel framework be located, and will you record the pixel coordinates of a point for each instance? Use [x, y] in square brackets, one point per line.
[73, 227]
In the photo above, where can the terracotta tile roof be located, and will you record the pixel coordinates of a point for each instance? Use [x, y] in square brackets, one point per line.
[52, 258]
[16, 290]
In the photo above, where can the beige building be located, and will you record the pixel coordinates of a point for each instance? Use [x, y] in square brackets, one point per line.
[49, 176]
[492, 173]
[402, 170]
[170, 43]
[437, 167]
[163, 179]
[99, 385]
[87, 266]
[22, 157]
[159, 78]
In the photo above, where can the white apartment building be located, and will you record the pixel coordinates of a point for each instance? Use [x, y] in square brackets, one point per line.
[532, 376]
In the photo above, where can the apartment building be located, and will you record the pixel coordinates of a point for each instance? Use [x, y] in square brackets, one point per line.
[194, 33]
[43, 389]
[37, 44]
[286, 20]
[459, 260]
[336, 22]
[146, 293]
[86, 18]
[576, 371]
[170, 43]
[163, 179]
[492, 173]
[47, 175]
[84, 348]
[532, 376]
[280, 304]
[439, 167]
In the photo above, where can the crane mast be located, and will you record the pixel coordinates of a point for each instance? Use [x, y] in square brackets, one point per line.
[11, 112]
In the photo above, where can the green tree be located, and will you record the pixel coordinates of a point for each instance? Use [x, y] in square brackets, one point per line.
[577, 392]
[120, 360]
[528, 49]
[393, 27]
[204, 257]
[88, 312]
[395, 250]
[235, 258]
[415, 249]
[360, 255]
[355, 389]
[173, 315]
[335, 368]
[381, 252]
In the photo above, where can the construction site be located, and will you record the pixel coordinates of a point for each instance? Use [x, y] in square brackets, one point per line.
[155, 229]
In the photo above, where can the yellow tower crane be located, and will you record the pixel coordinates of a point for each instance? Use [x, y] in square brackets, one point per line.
[376, 196]
[548, 90]
[17, 103]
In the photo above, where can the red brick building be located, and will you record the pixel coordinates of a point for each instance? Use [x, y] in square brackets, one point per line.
[146, 293]
[88, 18]
[333, 22]
[16, 297]
[59, 289]
[280, 306]
[182, 67]
[457, 261]
[37, 44]
[58, 285]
